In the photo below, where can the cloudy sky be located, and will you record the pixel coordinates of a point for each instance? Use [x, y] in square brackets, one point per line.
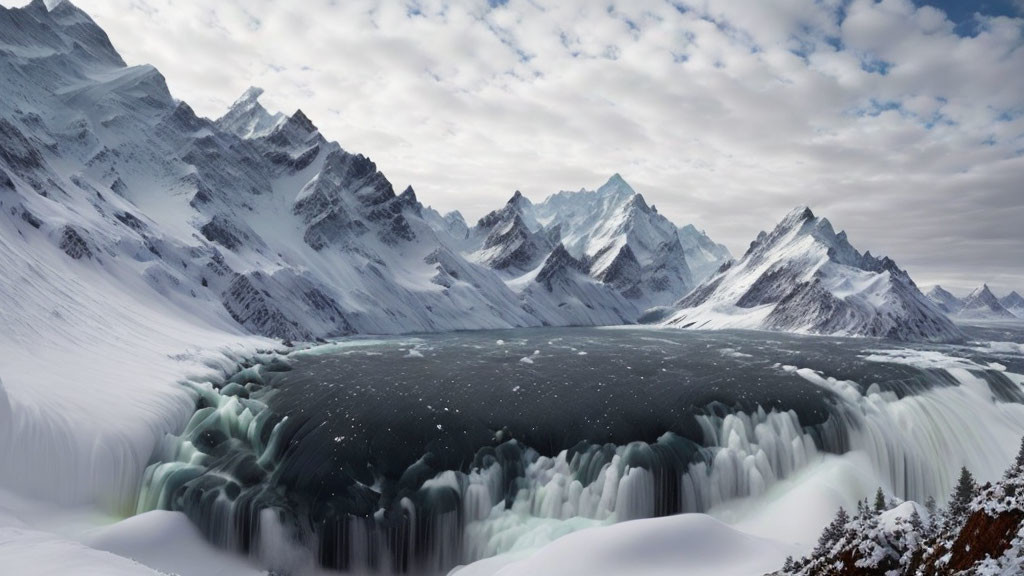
[902, 122]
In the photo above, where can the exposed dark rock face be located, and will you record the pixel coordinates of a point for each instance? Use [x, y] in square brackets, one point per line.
[514, 245]
[509, 243]
[250, 307]
[16, 150]
[31, 219]
[348, 190]
[771, 287]
[224, 232]
[559, 265]
[73, 244]
[5, 180]
[984, 536]
[131, 221]
[624, 273]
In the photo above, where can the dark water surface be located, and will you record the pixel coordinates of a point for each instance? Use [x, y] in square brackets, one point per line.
[372, 402]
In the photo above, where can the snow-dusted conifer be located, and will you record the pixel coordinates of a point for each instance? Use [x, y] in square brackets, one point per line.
[880, 504]
[966, 490]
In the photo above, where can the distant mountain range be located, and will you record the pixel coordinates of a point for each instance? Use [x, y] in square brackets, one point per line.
[804, 277]
[255, 222]
[980, 304]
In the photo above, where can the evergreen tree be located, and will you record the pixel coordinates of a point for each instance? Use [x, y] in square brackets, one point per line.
[1019, 462]
[966, 490]
[934, 517]
[916, 523]
[832, 533]
[1018, 465]
[789, 566]
[880, 500]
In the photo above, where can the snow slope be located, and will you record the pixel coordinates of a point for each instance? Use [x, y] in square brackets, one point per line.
[690, 544]
[42, 554]
[804, 277]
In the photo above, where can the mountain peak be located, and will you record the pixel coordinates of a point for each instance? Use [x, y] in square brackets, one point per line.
[637, 201]
[65, 29]
[64, 8]
[247, 118]
[799, 214]
[559, 263]
[981, 292]
[300, 120]
[1013, 302]
[408, 195]
[616, 186]
[249, 97]
[815, 281]
[982, 303]
[518, 200]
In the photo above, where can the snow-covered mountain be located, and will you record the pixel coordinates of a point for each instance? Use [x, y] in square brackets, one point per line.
[617, 239]
[255, 218]
[1014, 303]
[703, 255]
[506, 241]
[982, 304]
[804, 277]
[625, 242]
[451, 223]
[945, 300]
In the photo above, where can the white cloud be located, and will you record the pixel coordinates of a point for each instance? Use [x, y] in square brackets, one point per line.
[724, 114]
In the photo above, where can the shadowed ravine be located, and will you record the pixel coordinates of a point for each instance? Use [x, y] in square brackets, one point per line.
[419, 454]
